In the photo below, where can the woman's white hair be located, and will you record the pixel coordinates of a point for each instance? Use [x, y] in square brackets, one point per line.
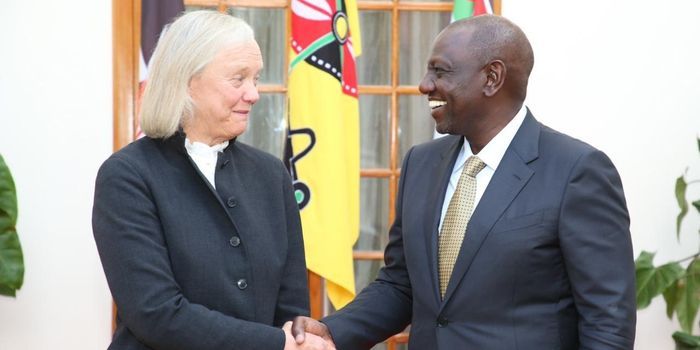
[187, 46]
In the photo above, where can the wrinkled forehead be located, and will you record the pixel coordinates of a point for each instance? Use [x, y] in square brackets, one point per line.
[242, 50]
[455, 36]
[235, 57]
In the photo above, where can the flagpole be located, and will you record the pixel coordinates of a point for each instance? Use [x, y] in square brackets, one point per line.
[315, 281]
[316, 295]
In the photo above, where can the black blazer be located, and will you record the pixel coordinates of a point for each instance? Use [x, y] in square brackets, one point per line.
[193, 267]
[546, 262]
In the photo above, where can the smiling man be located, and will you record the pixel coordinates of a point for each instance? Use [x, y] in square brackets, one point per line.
[508, 234]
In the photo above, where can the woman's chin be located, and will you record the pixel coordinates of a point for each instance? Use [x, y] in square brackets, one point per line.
[236, 130]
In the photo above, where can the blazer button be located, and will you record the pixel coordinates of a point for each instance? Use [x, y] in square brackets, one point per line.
[242, 284]
[442, 321]
[235, 241]
[231, 202]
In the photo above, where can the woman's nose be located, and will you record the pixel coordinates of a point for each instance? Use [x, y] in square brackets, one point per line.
[251, 94]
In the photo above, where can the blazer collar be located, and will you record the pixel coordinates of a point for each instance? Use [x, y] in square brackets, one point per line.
[177, 141]
[527, 139]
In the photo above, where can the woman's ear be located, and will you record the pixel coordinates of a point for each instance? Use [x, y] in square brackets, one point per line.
[193, 86]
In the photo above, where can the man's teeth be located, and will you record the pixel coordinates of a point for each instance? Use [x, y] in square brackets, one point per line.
[436, 104]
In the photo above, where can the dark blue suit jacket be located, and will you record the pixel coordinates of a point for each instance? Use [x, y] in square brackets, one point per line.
[546, 262]
[193, 267]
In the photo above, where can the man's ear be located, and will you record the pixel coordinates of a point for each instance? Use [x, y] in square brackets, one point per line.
[495, 77]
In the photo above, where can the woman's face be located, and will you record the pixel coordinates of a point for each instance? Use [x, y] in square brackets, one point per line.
[223, 94]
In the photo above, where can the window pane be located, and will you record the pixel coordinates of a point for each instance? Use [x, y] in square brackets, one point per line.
[269, 27]
[365, 272]
[374, 65]
[375, 113]
[415, 123]
[267, 126]
[189, 8]
[417, 31]
[374, 214]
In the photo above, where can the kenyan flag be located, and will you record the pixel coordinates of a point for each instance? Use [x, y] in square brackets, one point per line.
[468, 8]
[323, 140]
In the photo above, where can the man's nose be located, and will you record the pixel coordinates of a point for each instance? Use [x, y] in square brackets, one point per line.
[426, 84]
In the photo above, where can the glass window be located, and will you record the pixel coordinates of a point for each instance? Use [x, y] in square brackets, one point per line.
[267, 124]
[374, 65]
[270, 31]
[415, 123]
[384, 101]
[375, 115]
[415, 45]
[374, 214]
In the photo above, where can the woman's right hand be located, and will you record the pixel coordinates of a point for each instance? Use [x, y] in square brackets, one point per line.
[311, 341]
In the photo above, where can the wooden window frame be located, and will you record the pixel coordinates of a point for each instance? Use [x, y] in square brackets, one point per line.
[126, 15]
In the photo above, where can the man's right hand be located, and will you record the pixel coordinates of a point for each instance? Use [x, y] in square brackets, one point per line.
[310, 342]
[302, 325]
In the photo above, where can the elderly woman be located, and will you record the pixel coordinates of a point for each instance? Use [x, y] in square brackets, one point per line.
[199, 235]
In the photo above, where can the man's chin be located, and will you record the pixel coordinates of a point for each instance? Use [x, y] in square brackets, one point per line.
[443, 129]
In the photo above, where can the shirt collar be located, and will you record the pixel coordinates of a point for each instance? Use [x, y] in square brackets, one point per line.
[199, 148]
[493, 152]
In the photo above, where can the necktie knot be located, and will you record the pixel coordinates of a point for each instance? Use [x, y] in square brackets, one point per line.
[474, 166]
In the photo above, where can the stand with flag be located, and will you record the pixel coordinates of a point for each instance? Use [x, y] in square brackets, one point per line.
[468, 8]
[322, 150]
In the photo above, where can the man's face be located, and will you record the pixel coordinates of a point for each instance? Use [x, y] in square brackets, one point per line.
[454, 82]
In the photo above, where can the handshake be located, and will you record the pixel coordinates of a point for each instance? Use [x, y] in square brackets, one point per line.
[307, 334]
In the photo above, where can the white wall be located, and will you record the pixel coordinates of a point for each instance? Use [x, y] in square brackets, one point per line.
[622, 77]
[55, 130]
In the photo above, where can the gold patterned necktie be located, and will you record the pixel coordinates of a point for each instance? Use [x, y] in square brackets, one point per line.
[454, 225]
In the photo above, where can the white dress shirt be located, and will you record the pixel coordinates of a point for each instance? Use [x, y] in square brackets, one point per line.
[491, 154]
[205, 157]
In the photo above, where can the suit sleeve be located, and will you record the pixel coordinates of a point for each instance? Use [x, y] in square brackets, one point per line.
[293, 297]
[384, 307]
[597, 249]
[135, 258]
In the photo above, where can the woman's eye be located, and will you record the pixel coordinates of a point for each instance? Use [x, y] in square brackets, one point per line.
[237, 80]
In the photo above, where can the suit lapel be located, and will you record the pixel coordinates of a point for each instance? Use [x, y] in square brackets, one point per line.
[510, 177]
[442, 171]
